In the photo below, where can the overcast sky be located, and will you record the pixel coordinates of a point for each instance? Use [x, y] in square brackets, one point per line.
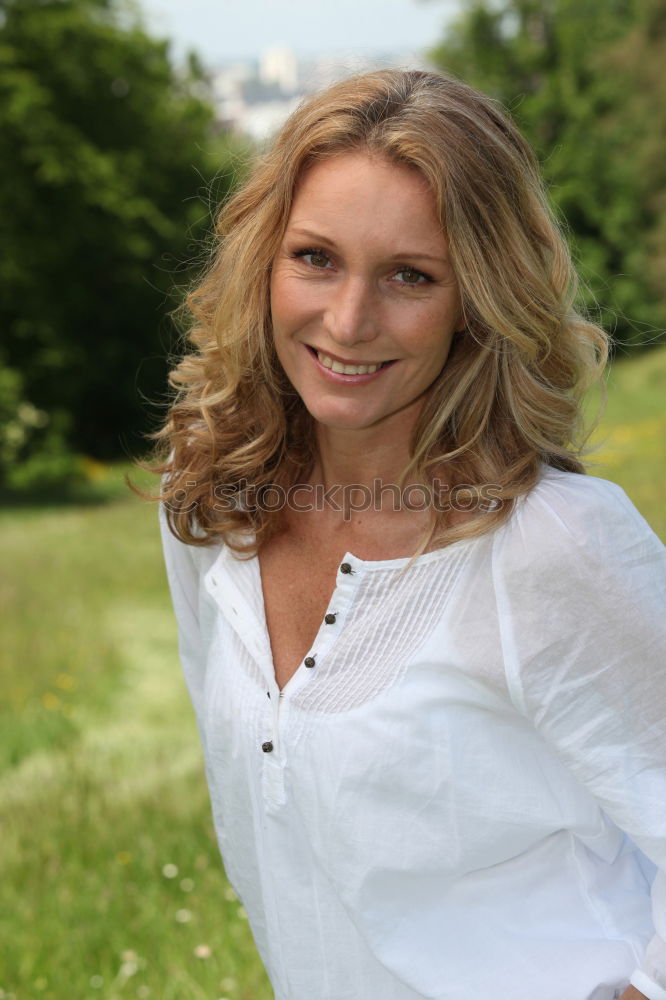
[224, 29]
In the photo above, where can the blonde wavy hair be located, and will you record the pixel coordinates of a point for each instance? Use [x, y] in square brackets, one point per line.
[509, 396]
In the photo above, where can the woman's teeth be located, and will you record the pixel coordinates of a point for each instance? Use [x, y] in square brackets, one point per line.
[341, 369]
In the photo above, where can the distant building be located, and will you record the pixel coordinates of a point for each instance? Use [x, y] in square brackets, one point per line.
[279, 65]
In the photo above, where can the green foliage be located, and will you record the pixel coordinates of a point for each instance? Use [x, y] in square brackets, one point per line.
[106, 150]
[34, 455]
[576, 76]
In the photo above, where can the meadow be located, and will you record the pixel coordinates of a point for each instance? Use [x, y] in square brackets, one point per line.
[111, 883]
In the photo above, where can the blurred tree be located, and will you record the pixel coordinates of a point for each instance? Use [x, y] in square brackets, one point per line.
[573, 73]
[106, 149]
[637, 124]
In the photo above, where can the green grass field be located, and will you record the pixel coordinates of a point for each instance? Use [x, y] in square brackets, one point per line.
[632, 436]
[111, 883]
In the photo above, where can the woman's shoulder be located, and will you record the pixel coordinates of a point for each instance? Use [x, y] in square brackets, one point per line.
[575, 495]
[570, 516]
[200, 557]
[579, 579]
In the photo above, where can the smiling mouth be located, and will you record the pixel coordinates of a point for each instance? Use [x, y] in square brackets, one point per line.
[345, 367]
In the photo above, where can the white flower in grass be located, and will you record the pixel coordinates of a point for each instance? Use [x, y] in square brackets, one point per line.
[183, 916]
[203, 951]
[228, 984]
[170, 871]
[230, 894]
[241, 913]
[97, 982]
[186, 884]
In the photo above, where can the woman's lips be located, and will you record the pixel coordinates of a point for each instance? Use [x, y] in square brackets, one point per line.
[347, 372]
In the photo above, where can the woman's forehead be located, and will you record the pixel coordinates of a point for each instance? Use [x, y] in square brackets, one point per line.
[367, 195]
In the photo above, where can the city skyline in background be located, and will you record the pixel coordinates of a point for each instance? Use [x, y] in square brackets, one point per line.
[263, 56]
[255, 96]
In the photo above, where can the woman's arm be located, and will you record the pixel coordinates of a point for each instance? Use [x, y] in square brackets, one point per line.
[581, 591]
[631, 993]
[183, 577]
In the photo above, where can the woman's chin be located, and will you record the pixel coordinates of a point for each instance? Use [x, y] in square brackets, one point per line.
[347, 415]
[342, 418]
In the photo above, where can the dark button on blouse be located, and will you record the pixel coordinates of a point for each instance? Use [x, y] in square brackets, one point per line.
[267, 746]
[345, 568]
[330, 619]
[309, 661]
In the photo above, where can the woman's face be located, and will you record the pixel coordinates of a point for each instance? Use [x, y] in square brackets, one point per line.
[364, 301]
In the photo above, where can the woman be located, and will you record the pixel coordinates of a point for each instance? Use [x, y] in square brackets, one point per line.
[421, 645]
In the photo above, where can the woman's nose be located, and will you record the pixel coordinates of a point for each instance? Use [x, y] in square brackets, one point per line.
[351, 312]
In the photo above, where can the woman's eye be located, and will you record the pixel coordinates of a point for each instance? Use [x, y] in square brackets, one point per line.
[315, 258]
[410, 276]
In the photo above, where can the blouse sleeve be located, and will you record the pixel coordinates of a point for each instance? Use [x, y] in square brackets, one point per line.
[580, 581]
[183, 576]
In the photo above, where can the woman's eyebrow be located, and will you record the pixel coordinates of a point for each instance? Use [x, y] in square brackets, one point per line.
[418, 255]
[310, 234]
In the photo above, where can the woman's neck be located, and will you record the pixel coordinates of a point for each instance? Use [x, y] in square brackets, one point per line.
[359, 473]
[359, 458]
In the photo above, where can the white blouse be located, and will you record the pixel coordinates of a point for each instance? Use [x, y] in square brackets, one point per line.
[464, 798]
